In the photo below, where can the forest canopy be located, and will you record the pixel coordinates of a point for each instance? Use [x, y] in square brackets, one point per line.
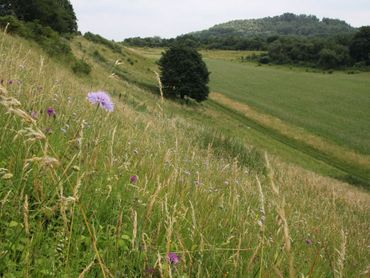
[57, 14]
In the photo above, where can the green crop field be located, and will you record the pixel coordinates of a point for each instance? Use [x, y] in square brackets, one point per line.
[335, 106]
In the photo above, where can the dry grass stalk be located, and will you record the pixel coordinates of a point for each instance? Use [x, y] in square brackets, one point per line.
[87, 269]
[282, 220]
[160, 85]
[93, 240]
[339, 268]
[26, 215]
[152, 201]
[134, 229]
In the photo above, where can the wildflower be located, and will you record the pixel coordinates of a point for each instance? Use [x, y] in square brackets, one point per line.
[50, 111]
[48, 130]
[34, 115]
[10, 82]
[308, 241]
[173, 258]
[102, 99]
[134, 179]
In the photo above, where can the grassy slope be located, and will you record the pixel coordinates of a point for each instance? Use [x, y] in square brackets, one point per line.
[295, 143]
[80, 214]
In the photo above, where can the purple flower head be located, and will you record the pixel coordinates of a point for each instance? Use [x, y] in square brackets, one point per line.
[50, 111]
[34, 115]
[102, 99]
[173, 258]
[134, 179]
[308, 241]
[10, 82]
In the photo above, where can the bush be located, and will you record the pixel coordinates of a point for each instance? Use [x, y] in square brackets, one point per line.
[100, 58]
[81, 67]
[14, 26]
[47, 38]
[99, 39]
[184, 74]
[264, 59]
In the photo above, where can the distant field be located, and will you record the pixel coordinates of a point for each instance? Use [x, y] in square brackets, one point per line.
[335, 106]
[232, 55]
[317, 120]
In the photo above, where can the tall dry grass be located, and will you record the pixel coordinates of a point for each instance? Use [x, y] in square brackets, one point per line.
[70, 208]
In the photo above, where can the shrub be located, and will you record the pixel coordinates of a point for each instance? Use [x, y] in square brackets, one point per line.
[47, 38]
[99, 39]
[264, 59]
[81, 67]
[100, 58]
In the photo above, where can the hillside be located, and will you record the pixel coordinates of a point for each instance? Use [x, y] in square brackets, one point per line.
[284, 25]
[153, 188]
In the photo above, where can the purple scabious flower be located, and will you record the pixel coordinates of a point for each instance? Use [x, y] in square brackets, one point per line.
[102, 99]
[173, 258]
[133, 179]
[50, 111]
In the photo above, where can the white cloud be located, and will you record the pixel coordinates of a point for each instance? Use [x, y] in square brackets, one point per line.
[117, 19]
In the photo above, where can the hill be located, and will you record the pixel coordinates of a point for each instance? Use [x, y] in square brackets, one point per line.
[154, 188]
[287, 24]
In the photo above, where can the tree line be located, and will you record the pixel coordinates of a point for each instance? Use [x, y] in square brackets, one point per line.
[336, 51]
[56, 14]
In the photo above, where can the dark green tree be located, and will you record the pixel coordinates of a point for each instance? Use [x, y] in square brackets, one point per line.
[57, 14]
[360, 45]
[184, 74]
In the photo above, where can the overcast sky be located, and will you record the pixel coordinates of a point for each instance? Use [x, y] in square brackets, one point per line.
[120, 19]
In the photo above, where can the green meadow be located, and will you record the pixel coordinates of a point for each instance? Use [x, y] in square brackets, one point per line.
[225, 186]
[315, 119]
[334, 106]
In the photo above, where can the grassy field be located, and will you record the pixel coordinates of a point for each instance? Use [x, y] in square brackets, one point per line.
[291, 112]
[87, 193]
[334, 106]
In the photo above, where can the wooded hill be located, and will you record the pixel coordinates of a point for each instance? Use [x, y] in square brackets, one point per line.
[286, 24]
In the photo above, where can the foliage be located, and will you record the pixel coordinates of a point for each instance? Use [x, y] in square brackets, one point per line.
[360, 45]
[99, 39]
[283, 25]
[81, 67]
[184, 74]
[59, 15]
[336, 52]
[98, 56]
[51, 42]
[253, 34]
[47, 38]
